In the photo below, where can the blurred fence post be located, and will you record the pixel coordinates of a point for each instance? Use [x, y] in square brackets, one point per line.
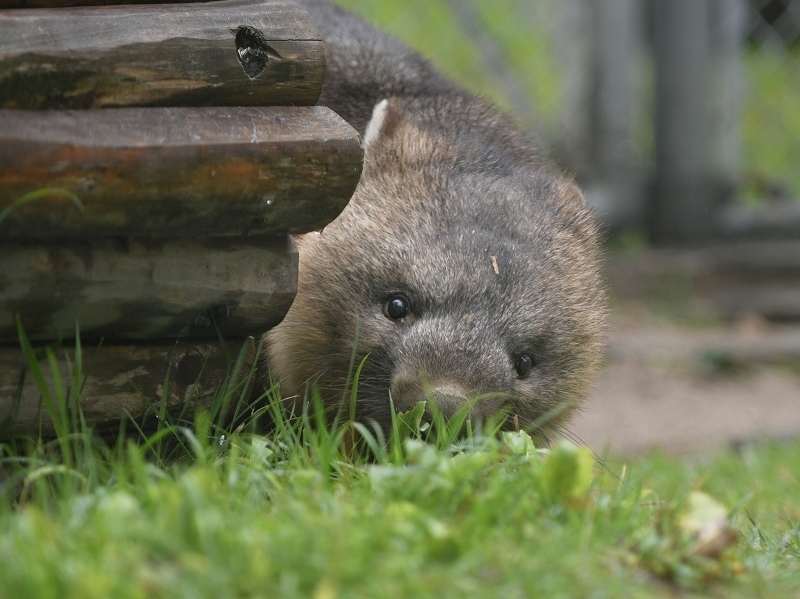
[573, 45]
[617, 192]
[682, 198]
[728, 23]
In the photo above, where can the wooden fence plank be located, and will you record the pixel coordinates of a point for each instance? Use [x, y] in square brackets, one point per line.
[731, 279]
[119, 380]
[176, 171]
[769, 221]
[132, 288]
[228, 53]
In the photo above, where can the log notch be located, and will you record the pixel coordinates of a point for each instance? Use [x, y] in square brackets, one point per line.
[176, 171]
[120, 380]
[130, 288]
[229, 53]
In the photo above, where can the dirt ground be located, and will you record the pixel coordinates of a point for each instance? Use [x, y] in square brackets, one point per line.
[690, 388]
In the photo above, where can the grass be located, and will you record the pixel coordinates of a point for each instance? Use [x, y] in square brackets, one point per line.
[38, 194]
[198, 511]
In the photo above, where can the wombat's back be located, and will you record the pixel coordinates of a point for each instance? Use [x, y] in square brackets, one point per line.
[364, 65]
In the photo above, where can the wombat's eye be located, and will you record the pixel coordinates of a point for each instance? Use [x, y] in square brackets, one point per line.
[397, 307]
[523, 365]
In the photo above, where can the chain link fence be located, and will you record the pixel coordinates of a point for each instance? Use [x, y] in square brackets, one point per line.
[771, 116]
[590, 80]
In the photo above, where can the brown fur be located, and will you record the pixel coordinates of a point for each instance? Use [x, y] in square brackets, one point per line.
[455, 210]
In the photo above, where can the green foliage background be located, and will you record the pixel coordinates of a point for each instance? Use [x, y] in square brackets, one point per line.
[525, 33]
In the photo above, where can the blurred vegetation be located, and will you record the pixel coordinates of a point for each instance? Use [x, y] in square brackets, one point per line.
[520, 29]
[771, 124]
[525, 34]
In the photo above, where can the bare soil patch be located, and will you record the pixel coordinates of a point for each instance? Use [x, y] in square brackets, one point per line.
[692, 388]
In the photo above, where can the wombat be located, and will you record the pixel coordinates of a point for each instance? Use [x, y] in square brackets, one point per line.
[464, 269]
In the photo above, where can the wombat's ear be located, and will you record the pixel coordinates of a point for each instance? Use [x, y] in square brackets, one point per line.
[570, 194]
[384, 121]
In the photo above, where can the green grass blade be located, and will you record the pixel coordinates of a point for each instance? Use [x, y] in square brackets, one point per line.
[46, 192]
[354, 390]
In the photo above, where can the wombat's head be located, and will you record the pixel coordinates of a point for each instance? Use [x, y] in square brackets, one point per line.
[463, 269]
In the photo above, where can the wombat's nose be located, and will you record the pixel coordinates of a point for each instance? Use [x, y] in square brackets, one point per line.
[448, 396]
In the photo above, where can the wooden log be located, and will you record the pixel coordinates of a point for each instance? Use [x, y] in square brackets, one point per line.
[176, 171]
[69, 3]
[130, 288]
[229, 53]
[120, 380]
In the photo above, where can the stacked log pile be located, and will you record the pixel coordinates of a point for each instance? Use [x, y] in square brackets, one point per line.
[154, 161]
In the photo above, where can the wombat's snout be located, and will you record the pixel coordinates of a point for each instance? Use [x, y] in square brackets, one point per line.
[451, 366]
[448, 397]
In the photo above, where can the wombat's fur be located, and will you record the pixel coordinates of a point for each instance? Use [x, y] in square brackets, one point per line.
[458, 214]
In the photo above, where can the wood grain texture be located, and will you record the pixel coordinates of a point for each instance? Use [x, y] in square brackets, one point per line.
[120, 380]
[71, 3]
[160, 55]
[130, 288]
[176, 171]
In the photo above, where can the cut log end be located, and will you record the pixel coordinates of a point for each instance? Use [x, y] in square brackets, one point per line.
[146, 289]
[175, 171]
[227, 53]
[125, 381]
